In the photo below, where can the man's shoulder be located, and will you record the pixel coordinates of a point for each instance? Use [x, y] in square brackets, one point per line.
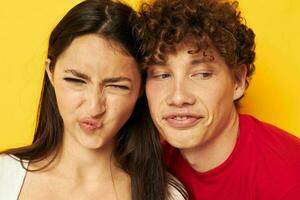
[266, 132]
[276, 156]
[270, 140]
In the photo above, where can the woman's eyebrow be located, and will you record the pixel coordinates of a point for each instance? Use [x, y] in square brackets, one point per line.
[116, 79]
[78, 74]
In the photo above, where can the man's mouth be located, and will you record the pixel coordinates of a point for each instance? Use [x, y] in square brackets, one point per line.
[182, 120]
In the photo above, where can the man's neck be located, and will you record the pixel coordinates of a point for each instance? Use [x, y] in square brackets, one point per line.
[214, 152]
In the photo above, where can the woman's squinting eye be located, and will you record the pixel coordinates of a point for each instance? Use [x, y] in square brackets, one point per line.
[120, 87]
[74, 80]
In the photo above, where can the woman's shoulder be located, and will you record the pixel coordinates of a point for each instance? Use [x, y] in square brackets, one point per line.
[176, 190]
[12, 175]
[10, 163]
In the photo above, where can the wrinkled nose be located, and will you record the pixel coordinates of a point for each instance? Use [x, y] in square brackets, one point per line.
[180, 95]
[96, 104]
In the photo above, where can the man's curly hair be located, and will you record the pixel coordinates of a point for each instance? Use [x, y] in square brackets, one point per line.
[165, 23]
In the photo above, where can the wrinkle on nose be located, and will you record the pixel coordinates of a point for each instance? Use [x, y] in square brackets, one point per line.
[180, 95]
[96, 104]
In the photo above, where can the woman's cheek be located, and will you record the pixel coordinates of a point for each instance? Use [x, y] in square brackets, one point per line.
[121, 106]
[69, 100]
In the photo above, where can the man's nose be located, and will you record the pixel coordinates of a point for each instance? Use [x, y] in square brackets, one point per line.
[180, 94]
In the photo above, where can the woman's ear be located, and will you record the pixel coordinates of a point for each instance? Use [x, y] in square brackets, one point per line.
[48, 71]
[240, 82]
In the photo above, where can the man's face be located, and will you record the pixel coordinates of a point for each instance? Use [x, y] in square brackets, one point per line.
[191, 96]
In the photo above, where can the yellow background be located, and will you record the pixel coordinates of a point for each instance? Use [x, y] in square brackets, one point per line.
[25, 26]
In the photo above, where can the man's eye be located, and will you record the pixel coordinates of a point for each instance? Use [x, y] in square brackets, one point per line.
[74, 80]
[203, 75]
[161, 76]
[120, 87]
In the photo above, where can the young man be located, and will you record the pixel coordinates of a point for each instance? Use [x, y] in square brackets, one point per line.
[199, 57]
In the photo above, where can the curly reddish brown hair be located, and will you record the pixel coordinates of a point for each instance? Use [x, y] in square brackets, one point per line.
[165, 23]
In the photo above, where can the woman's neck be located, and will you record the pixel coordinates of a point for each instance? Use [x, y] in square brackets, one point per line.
[89, 172]
[80, 164]
[86, 164]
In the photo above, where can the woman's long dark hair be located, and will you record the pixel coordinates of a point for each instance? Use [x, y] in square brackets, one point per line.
[137, 148]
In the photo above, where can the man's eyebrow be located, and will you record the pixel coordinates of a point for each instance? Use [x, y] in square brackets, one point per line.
[116, 79]
[155, 65]
[197, 61]
[203, 59]
[78, 74]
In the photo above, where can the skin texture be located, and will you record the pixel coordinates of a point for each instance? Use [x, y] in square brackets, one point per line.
[191, 99]
[95, 97]
[96, 84]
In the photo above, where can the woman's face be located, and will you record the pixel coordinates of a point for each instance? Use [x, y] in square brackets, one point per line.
[96, 85]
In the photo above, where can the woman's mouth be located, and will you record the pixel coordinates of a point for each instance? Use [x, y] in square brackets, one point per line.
[90, 125]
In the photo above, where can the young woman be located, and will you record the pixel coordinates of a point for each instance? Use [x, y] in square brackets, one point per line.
[92, 140]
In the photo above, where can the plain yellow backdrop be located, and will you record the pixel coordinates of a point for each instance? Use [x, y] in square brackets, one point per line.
[273, 95]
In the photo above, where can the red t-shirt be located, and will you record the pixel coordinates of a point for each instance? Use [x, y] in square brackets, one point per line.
[264, 165]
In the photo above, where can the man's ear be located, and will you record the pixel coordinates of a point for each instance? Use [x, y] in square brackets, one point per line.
[240, 76]
[48, 71]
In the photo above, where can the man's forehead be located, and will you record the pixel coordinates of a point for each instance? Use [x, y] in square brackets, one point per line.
[196, 54]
